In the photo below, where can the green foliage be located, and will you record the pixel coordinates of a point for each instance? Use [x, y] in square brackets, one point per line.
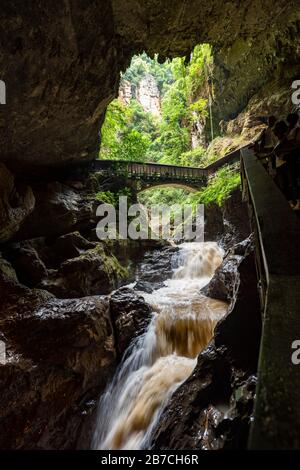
[196, 157]
[130, 133]
[167, 196]
[143, 64]
[217, 191]
[219, 188]
[122, 137]
[106, 197]
[112, 197]
[199, 67]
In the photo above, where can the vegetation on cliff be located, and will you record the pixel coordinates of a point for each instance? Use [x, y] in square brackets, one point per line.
[134, 134]
[130, 133]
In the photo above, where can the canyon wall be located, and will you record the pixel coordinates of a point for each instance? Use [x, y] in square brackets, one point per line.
[146, 92]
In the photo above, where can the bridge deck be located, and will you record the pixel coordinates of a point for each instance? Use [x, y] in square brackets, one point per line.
[156, 172]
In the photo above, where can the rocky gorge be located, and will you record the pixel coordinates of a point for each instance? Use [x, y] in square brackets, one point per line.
[65, 333]
[67, 315]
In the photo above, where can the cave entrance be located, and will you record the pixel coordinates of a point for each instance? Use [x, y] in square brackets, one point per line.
[163, 111]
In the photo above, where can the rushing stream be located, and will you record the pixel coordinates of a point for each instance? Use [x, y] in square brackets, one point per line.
[165, 355]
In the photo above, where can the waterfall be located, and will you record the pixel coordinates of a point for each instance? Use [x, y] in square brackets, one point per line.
[163, 357]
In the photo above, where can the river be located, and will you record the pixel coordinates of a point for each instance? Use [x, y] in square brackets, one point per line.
[161, 359]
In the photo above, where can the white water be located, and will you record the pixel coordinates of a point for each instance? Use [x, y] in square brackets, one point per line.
[161, 359]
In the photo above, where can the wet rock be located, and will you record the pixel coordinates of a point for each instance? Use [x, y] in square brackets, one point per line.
[30, 268]
[92, 272]
[236, 220]
[243, 248]
[59, 209]
[227, 224]
[69, 267]
[16, 203]
[69, 246]
[148, 287]
[144, 286]
[17, 299]
[60, 355]
[130, 315]
[234, 424]
[223, 377]
[157, 265]
[7, 273]
[224, 283]
[181, 426]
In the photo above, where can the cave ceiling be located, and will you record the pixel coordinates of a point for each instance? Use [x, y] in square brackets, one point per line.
[61, 60]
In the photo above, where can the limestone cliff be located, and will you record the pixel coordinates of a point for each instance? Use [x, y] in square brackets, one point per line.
[148, 95]
[146, 92]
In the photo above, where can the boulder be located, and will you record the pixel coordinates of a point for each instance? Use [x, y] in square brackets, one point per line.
[61, 355]
[223, 284]
[30, 268]
[66, 247]
[149, 287]
[130, 315]
[69, 267]
[17, 299]
[7, 273]
[59, 209]
[92, 272]
[16, 203]
[157, 265]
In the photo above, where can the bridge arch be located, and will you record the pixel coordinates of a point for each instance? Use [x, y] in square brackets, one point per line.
[175, 185]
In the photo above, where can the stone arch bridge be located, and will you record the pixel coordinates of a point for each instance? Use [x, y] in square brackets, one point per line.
[142, 176]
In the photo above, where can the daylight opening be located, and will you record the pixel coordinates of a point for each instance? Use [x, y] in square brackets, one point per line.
[164, 115]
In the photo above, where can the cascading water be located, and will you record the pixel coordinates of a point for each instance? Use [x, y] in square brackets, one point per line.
[162, 358]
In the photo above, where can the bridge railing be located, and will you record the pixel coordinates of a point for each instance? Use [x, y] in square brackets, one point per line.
[228, 159]
[276, 227]
[136, 169]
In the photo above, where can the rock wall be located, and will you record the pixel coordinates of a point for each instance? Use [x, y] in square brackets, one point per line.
[146, 92]
[63, 337]
[229, 223]
[148, 95]
[17, 201]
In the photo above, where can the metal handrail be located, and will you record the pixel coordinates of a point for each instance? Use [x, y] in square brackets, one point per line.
[276, 423]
